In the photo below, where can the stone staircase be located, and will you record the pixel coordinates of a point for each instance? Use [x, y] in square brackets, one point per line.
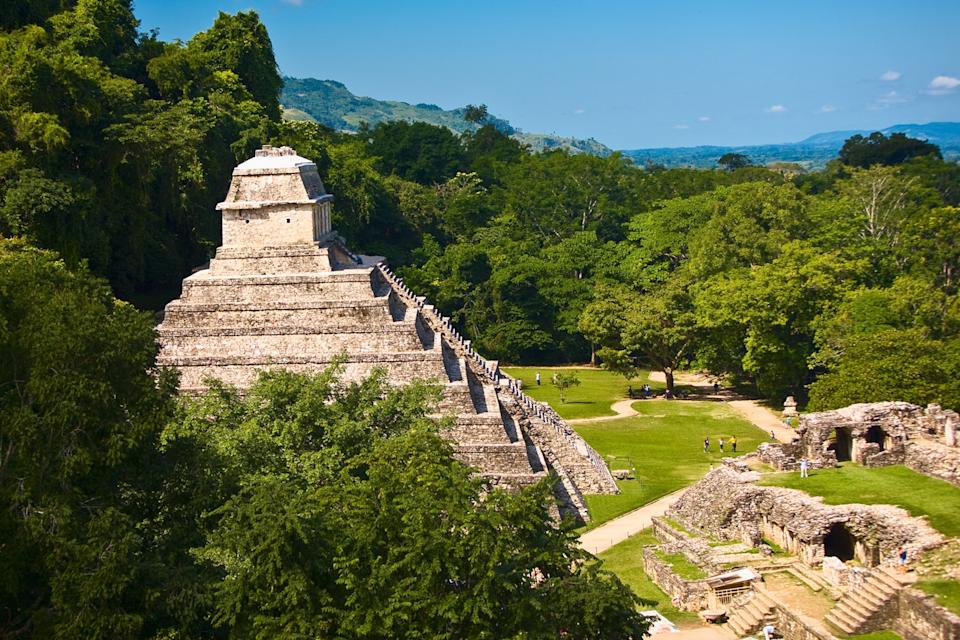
[857, 608]
[751, 616]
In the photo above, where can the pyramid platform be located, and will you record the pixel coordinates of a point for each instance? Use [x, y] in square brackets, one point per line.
[284, 291]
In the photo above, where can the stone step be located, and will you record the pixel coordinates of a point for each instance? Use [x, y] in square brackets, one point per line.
[283, 346]
[242, 371]
[841, 621]
[316, 316]
[802, 577]
[495, 458]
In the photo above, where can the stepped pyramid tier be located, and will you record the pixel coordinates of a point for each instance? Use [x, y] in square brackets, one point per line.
[284, 291]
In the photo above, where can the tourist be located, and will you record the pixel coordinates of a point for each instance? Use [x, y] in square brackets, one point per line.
[706, 445]
[773, 437]
[716, 388]
[538, 378]
[902, 559]
[721, 445]
[733, 443]
[768, 632]
[804, 465]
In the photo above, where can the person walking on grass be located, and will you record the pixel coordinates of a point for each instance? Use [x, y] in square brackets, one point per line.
[721, 445]
[538, 378]
[706, 444]
[733, 443]
[804, 466]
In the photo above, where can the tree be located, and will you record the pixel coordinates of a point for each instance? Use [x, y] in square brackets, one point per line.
[732, 161]
[563, 381]
[877, 148]
[891, 365]
[416, 151]
[661, 329]
[347, 515]
[476, 114]
[81, 407]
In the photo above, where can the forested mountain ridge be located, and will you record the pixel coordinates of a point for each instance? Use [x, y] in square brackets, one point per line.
[812, 153]
[333, 105]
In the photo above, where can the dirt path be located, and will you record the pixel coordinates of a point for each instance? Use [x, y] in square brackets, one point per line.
[621, 528]
[623, 409]
[763, 418]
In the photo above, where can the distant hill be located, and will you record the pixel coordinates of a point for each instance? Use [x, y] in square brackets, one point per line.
[813, 152]
[330, 103]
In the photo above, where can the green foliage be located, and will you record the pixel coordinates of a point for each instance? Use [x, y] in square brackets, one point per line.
[80, 410]
[564, 380]
[859, 151]
[124, 144]
[341, 510]
[732, 161]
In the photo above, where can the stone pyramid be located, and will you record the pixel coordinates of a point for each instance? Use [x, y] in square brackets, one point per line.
[284, 291]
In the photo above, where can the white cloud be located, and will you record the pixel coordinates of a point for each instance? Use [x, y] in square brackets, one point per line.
[890, 76]
[681, 126]
[887, 100]
[777, 108]
[942, 85]
[704, 119]
[578, 112]
[827, 108]
[293, 3]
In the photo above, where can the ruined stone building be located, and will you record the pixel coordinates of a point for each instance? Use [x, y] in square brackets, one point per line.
[875, 435]
[284, 291]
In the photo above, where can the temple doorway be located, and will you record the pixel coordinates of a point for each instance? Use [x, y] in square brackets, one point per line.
[876, 435]
[839, 542]
[842, 445]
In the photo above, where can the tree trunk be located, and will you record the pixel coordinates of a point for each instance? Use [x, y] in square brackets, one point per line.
[593, 354]
[668, 374]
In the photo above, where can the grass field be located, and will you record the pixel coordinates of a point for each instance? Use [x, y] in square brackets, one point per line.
[917, 493]
[625, 560]
[665, 447]
[947, 592]
[877, 635]
[598, 389]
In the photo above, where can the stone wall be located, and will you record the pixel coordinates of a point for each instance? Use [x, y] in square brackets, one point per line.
[935, 460]
[687, 595]
[792, 627]
[728, 505]
[874, 434]
[919, 617]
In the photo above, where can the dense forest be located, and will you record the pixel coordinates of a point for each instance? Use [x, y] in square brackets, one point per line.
[294, 510]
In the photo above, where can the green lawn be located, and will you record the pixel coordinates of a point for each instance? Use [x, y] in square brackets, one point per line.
[877, 635]
[915, 492]
[665, 447]
[625, 560]
[947, 592]
[598, 389]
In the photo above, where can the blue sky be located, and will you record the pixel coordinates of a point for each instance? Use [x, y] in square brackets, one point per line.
[631, 74]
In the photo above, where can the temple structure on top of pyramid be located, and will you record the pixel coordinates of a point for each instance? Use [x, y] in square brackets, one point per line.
[284, 291]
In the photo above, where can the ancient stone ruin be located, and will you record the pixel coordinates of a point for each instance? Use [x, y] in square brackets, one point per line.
[763, 551]
[875, 435]
[284, 291]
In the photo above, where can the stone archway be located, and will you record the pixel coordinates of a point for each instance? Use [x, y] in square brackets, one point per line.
[839, 542]
[877, 435]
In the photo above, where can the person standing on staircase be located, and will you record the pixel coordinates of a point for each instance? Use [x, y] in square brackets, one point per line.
[768, 632]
